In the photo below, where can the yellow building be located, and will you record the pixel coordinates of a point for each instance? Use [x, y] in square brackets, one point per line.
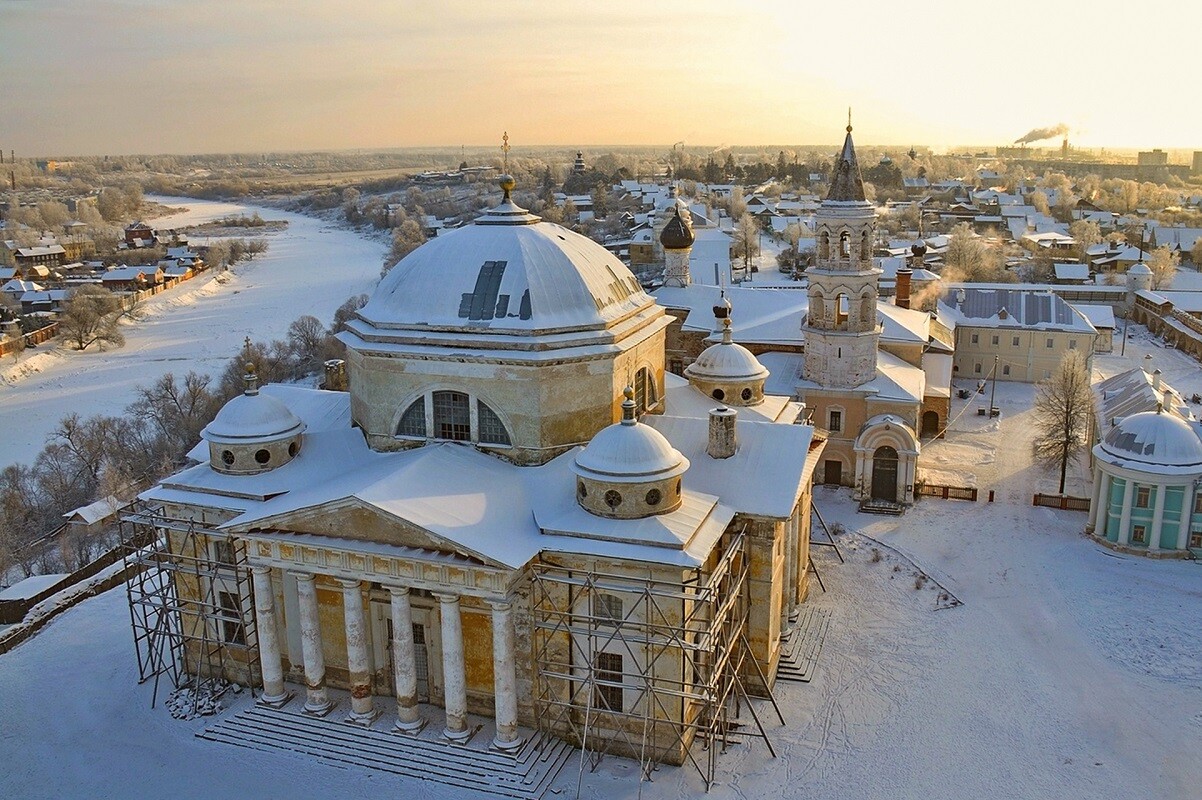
[513, 521]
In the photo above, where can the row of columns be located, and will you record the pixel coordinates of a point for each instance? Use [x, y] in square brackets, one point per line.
[1099, 512]
[363, 711]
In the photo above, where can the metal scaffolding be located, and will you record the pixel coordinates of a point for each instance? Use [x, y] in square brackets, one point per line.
[644, 666]
[184, 628]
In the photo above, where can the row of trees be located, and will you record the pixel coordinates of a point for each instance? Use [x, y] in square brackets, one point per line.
[86, 458]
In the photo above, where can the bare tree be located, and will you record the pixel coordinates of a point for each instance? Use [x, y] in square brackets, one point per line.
[91, 315]
[306, 338]
[1063, 413]
[1163, 263]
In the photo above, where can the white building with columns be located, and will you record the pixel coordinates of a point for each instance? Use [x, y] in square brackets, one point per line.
[510, 491]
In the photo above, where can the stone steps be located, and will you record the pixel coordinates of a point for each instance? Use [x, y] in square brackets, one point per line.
[525, 775]
[803, 645]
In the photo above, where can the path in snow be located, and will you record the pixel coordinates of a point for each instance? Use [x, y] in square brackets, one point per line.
[310, 268]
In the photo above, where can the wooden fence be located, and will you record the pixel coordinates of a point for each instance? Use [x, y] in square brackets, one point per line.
[1063, 502]
[946, 492]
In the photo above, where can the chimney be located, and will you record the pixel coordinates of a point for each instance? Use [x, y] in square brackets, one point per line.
[1156, 380]
[335, 375]
[901, 297]
[722, 442]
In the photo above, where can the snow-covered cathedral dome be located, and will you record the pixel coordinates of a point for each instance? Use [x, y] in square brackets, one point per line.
[1153, 439]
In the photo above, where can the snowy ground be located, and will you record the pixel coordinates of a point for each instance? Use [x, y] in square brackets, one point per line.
[1070, 671]
[310, 268]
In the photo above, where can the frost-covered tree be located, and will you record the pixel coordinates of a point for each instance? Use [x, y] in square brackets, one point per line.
[1063, 413]
[1163, 263]
[90, 316]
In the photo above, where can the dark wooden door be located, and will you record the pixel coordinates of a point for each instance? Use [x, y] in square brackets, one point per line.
[884, 474]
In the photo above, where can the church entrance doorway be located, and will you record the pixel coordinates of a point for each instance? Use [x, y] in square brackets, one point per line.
[884, 474]
[930, 423]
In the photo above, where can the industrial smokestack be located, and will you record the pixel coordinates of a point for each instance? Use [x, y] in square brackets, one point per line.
[901, 297]
[722, 439]
[1039, 134]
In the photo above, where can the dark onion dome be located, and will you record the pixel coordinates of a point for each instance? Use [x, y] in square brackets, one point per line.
[677, 234]
[919, 248]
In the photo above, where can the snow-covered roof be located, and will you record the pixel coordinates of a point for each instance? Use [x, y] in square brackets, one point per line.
[1011, 308]
[629, 452]
[1071, 272]
[94, 512]
[1101, 317]
[1134, 392]
[251, 418]
[682, 399]
[1153, 441]
[503, 274]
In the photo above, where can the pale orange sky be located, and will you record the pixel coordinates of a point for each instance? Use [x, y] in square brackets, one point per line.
[182, 76]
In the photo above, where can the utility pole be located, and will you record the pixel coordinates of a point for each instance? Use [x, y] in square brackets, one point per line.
[993, 412]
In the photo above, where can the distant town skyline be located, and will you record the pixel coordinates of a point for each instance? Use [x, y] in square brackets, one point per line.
[117, 77]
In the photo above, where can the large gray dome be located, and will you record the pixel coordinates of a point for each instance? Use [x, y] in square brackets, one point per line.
[508, 272]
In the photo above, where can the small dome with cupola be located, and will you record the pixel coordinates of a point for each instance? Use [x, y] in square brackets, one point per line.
[629, 470]
[726, 371]
[253, 432]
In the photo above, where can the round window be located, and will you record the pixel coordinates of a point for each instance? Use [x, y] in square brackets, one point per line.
[678, 488]
[654, 496]
[718, 394]
[292, 448]
[227, 457]
[613, 499]
[581, 489]
[262, 456]
[746, 394]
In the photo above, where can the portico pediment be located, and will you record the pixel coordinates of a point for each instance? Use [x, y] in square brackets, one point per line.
[355, 525]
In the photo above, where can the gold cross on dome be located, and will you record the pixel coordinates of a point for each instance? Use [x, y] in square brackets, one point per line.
[505, 150]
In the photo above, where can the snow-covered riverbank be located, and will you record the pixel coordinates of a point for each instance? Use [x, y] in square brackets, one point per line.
[309, 268]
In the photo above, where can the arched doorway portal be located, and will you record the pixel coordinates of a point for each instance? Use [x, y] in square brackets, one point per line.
[884, 474]
[930, 423]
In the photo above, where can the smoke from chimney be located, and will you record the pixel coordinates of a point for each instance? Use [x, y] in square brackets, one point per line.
[1039, 134]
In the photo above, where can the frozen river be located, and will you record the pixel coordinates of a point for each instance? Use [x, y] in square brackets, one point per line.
[309, 268]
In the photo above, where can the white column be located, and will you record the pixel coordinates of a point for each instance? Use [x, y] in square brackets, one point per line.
[1125, 519]
[1102, 518]
[266, 633]
[504, 673]
[1095, 500]
[404, 665]
[1157, 518]
[1187, 513]
[317, 700]
[358, 657]
[454, 679]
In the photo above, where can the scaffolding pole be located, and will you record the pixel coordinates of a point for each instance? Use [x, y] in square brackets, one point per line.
[184, 630]
[682, 648]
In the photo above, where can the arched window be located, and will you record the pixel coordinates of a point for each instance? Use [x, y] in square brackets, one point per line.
[824, 245]
[492, 430]
[452, 416]
[644, 391]
[845, 244]
[413, 421]
[866, 246]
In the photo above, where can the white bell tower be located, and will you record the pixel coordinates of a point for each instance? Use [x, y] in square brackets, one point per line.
[841, 329]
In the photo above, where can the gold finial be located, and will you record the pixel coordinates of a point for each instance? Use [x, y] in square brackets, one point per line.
[628, 406]
[505, 151]
[849, 119]
[250, 379]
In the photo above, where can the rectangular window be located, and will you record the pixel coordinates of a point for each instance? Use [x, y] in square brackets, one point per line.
[452, 416]
[1005, 369]
[230, 618]
[994, 341]
[1072, 344]
[1195, 539]
[1142, 495]
[1014, 341]
[1139, 534]
[608, 670]
[975, 339]
[836, 421]
[223, 552]
[1051, 342]
[976, 368]
[607, 607]
[1198, 504]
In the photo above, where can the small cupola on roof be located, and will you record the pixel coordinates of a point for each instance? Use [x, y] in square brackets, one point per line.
[726, 371]
[678, 233]
[847, 184]
[629, 470]
[253, 432]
